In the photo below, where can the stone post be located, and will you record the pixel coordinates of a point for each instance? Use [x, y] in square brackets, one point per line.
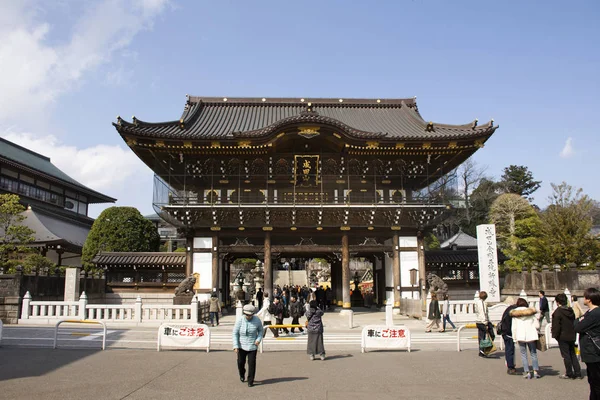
[568, 294]
[82, 306]
[215, 264]
[25, 309]
[194, 313]
[137, 312]
[71, 284]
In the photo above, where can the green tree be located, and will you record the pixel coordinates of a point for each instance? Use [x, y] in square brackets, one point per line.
[505, 212]
[14, 237]
[566, 225]
[431, 242]
[519, 180]
[480, 202]
[119, 229]
[527, 248]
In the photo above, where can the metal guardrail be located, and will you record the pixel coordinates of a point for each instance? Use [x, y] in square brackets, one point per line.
[280, 327]
[473, 326]
[76, 321]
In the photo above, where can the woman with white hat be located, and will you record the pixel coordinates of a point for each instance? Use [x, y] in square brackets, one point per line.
[247, 334]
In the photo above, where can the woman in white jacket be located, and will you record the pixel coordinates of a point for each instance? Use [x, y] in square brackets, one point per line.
[266, 316]
[525, 332]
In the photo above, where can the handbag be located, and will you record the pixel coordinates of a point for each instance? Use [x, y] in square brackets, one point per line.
[540, 344]
[596, 341]
[486, 343]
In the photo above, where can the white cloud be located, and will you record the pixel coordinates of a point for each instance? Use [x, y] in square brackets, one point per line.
[568, 151]
[100, 167]
[36, 70]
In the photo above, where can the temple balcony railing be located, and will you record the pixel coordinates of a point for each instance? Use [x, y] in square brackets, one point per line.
[354, 191]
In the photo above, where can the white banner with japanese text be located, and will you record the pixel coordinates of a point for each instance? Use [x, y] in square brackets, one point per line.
[184, 336]
[385, 337]
[489, 279]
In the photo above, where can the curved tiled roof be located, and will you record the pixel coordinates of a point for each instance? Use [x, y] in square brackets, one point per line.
[140, 259]
[227, 118]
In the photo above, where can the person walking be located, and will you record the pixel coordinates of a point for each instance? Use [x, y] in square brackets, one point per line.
[296, 313]
[447, 314]
[214, 308]
[563, 330]
[266, 316]
[314, 327]
[247, 334]
[525, 332]
[505, 329]
[544, 308]
[434, 314]
[588, 328]
[259, 298]
[482, 320]
[277, 310]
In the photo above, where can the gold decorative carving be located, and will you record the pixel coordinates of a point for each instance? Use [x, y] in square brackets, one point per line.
[159, 143]
[308, 132]
[337, 135]
[215, 228]
[452, 145]
[372, 145]
[340, 181]
[399, 145]
[293, 228]
[386, 181]
[187, 145]
[319, 228]
[216, 145]
[396, 228]
[479, 143]
[271, 181]
[131, 141]
[344, 228]
[426, 145]
[241, 228]
[370, 228]
[244, 143]
[223, 181]
[267, 228]
[280, 135]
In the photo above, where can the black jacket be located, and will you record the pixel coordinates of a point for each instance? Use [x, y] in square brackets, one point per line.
[434, 310]
[505, 325]
[544, 304]
[589, 325]
[296, 309]
[563, 324]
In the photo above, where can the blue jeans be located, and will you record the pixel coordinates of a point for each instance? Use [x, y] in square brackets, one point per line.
[534, 359]
[509, 351]
[447, 318]
[214, 315]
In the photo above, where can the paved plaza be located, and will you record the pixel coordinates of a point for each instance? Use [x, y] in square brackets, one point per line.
[131, 368]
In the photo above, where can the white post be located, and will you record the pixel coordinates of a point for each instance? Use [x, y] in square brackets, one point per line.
[137, 313]
[350, 319]
[568, 294]
[523, 294]
[82, 306]
[194, 316]
[239, 308]
[389, 316]
[25, 309]
[427, 302]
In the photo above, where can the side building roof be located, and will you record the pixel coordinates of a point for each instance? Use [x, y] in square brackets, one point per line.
[40, 165]
[221, 118]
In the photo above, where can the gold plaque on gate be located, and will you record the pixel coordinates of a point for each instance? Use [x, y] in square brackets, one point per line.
[197, 283]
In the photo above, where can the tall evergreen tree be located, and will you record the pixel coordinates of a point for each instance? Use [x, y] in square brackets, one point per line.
[519, 180]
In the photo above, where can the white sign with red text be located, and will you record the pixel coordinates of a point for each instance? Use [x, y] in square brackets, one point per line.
[385, 337]
[184, 336]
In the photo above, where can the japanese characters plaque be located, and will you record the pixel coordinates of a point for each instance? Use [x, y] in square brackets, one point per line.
[385, 337]
[488, 261]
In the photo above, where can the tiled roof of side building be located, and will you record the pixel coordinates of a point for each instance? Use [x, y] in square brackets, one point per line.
[234, 118]
[140, 259]
[25, 158]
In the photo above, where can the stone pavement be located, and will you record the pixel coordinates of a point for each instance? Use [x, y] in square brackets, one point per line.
[40, 373]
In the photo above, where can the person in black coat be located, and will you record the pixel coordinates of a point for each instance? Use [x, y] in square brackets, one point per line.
[296, 311]
[505, 329]
[563, 331]
[588, 328]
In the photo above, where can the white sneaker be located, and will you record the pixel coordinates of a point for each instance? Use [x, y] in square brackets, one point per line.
[311, 357]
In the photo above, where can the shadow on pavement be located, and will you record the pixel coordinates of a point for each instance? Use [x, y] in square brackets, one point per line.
[279, 380]
[30, 362]
[338, 356]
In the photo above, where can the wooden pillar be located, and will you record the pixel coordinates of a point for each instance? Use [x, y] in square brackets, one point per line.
[345, 271]
[422, 266]
[215, 264]
[396, 269]
[338, 283]
[189, 256]
[333, 279]
[268, 271]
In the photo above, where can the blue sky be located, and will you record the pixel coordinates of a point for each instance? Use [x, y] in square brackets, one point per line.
[68, 68]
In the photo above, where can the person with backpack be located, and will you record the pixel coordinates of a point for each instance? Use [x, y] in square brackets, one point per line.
[505, 329]
[563, 330]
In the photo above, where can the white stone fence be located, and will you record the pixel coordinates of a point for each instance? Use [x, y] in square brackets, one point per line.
[464, 310]
[50, 312]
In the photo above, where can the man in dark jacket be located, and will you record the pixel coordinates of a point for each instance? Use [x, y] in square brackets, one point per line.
[505, 329]
[276, 309]
[588, 328]
[296, 311]
[563, 331]
[544, 308]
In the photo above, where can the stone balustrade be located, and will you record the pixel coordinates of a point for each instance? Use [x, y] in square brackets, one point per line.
[50, 312]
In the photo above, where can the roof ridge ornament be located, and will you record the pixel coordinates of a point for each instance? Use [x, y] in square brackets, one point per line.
[430, 127]
[474, 124]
